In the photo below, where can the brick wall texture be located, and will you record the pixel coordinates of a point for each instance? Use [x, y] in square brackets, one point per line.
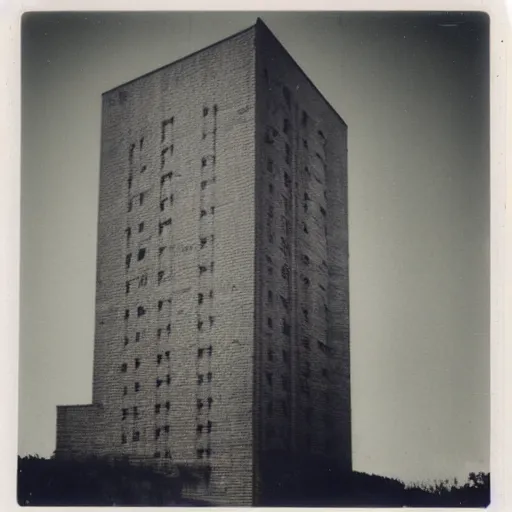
[222, 328]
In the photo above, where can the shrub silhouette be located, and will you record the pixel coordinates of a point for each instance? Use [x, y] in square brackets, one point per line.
[55, 482]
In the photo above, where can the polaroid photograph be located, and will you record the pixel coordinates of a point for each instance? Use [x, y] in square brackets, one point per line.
[255, 259]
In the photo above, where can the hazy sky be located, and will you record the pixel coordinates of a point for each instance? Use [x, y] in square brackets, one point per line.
[413, 90]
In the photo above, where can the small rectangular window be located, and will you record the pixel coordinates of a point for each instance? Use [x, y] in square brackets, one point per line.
[123, 438]
[141, 227]
[200, 352]
[128, 260]
[203, 184]
[286, 125]
[141, 198]
[137, 363]
[167, 355]
[158, 358]
[160, 276]
[167, 405]
[141, 311]
[137, 387]
[157, 433]
[269, 322]
[136, 436]
[126, 314]
[141, 254]
[200, 298]
[124, 414]
[157, 409]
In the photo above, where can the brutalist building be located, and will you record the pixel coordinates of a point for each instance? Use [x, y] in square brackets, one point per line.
[222, 318]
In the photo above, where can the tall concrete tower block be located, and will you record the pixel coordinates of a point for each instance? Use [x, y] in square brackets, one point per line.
[222, 318]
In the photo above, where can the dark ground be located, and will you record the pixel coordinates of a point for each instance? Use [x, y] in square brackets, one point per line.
[51, 482]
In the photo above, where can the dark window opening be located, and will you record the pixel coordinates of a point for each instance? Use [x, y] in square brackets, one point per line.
[160, 305]
[305, 228]
[305, 143]
[211, 319]
[210, 402]
[270, 165]
[128, 232]
[141, 311]
[137, 387]
[209, 426]
[199, 325]
[125, 414]
[157, 433]
[205, 111]
[287, 180]
[168, 328]
[166, 429]
[199, 404]
[321, 133]
[212, 210]
[128, 260]
[322, 211]
[141, 198]
[167, 405]
[141, 254]
[305, 312]
[141, 227]
[156, 455]
[157, 409]
[288, 155]
[123, 438]
[285, 272]
[209, 376]
[199, 429]
[127, 286]
[202, 214]
[286, 328]
[142, 169]
[167, 355]
[270, 296]
[130, 205]
[167, 454]
[131, 153]
[200, 453]
[168, 379]
[163, 224]
[160, 276]
[126, 341]
[200, 352]
[159, 332]
[125, 390]
[200, 297]
[126, 314]
[158, 358]
[203, 161]
[136, 436]
[269, 322]
[306, 281]
[271, 188]
[158, 382]
[161, 251]
[203, 184]
[286, 126]
[210, 350]
[137, 363]
[135, 412]
[304, 119]
[200, 379]
[203, 241]
[284, 302]
[164, 177]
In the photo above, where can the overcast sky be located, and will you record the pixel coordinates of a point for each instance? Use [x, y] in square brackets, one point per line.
[413, 90]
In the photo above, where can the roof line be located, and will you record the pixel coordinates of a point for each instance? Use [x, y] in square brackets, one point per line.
[263, 25]
[213, 45]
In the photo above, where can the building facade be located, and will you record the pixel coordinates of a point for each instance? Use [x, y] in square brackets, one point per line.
[222, 321]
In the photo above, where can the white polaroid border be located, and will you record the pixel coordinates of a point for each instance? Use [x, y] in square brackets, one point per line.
[501, 192]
